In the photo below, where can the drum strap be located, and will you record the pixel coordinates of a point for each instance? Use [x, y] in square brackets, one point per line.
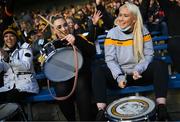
[75, 78]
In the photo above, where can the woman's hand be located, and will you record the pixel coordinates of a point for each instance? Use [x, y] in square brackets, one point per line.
[122, 84]
[95, 18]
[136, 75]
[69, 38]
[76, 26]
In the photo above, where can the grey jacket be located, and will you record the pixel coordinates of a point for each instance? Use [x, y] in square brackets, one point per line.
[119, 53]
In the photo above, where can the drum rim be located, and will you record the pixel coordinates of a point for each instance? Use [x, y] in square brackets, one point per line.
[10, 112]
[53, 53]
[48, 43]
[148, 113]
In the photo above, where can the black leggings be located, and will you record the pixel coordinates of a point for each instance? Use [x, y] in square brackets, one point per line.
[13, 95]
[157, 72]
[174, 50]
[82, 96]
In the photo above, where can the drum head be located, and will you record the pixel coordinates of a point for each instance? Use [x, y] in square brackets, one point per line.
[7, 110]
[60, 65]
[133, 108]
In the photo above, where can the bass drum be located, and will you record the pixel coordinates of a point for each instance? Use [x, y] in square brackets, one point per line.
[133, 108]
[59, 62]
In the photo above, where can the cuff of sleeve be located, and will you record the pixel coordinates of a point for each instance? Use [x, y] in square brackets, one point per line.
[121, 78]
[139, 70]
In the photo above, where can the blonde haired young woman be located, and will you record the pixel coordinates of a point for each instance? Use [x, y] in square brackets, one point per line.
[129, 58]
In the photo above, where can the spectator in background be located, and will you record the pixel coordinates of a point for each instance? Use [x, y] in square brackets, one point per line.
[157, 21]
[74, 26]
[25, 27]
[80, 21]
[6, 16]
[107, 18]
[172, 12]
[38, 41]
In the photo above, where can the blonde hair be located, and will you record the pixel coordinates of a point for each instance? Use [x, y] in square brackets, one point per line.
[137, 30]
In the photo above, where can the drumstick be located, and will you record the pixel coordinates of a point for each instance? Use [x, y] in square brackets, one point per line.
[44, 28]
[64, 34]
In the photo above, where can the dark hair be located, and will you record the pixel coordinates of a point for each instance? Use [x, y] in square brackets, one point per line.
[33, 32]
[55, 17]
[70, 18]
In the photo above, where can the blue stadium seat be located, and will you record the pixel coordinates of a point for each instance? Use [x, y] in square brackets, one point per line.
[174, 82]
[40, 75]
[160, 47]
[166, 59]
[101, 36]
[155, 33]
[160, 38]
[43, 95]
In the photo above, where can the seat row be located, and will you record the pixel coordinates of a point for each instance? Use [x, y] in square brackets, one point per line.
[161, 53]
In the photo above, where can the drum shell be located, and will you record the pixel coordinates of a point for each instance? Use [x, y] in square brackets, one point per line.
[149, 117]
[59, 64]
[52, 46]
[150, 114]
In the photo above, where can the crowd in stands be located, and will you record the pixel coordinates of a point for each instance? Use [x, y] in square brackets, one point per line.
[97, 18]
